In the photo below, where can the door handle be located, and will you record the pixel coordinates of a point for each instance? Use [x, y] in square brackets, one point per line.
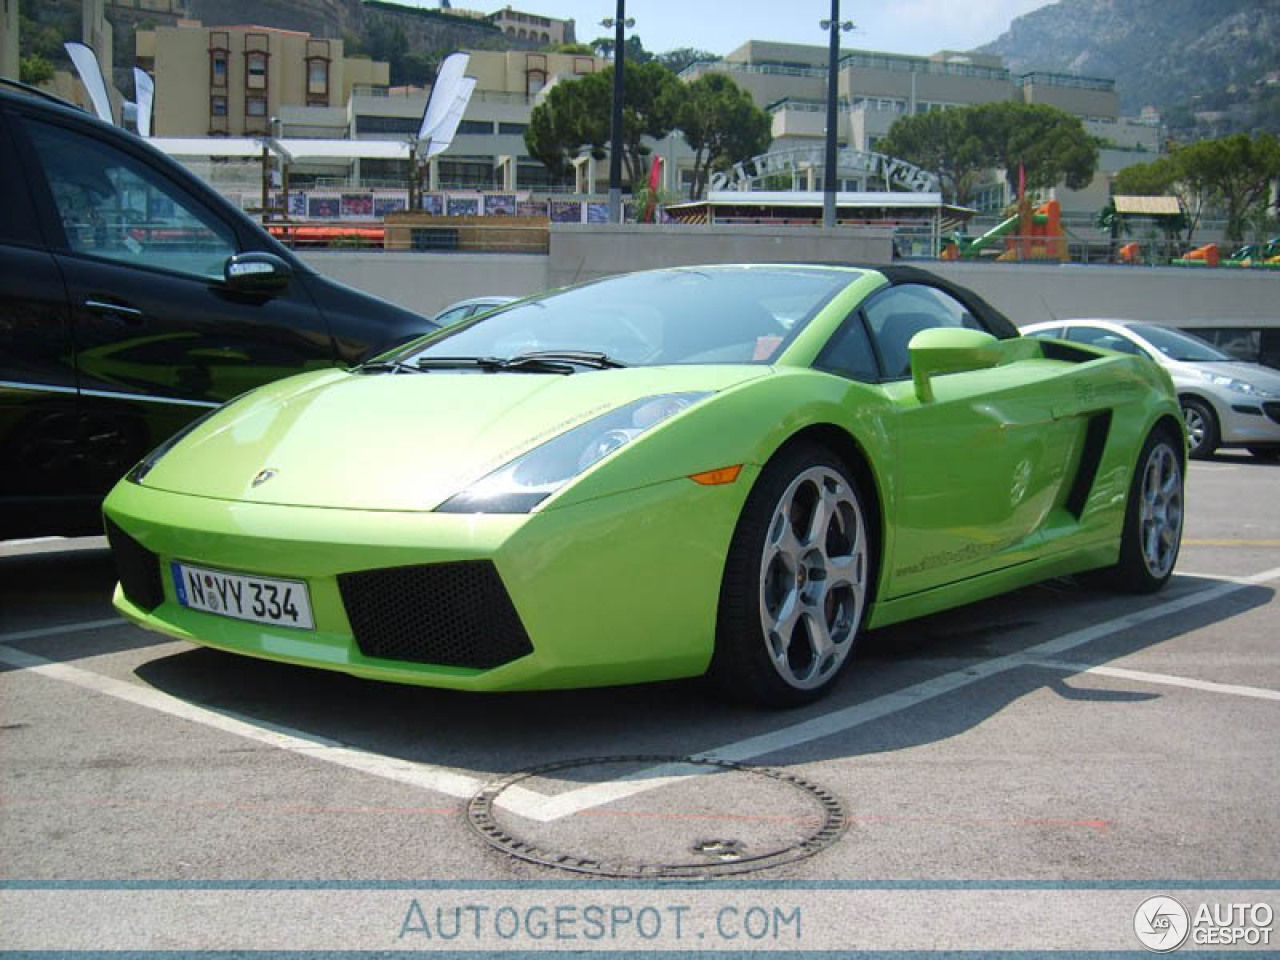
[118, 311]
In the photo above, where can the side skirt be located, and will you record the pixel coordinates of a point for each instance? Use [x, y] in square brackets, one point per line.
[1076, 560]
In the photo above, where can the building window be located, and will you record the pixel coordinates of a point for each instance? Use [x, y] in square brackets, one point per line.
[218, 68]
[475, 126]
[317, 82]
[513, 129]
[217, 106]
[255, 106]
[255, 67]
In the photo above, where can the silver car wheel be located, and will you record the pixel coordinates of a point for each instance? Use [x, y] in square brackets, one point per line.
[813, 577]
[1196, 427]
[1160, 511]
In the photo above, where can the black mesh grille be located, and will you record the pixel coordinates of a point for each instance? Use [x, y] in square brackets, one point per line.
[137, 567]
[1272, 409]
[449, 614]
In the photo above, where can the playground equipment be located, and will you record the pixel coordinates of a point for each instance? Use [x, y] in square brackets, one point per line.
[1129, 253]
[1256, 255]
[1027, 235]
[1206, 256]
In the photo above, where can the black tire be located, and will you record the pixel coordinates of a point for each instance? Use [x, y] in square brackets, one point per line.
[793, 597]
[1152, 531]
[1266, 453]
[1202, 428]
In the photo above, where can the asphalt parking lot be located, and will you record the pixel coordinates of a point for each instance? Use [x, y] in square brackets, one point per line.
[1056, 734]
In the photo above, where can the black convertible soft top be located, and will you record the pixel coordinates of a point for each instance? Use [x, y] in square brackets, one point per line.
[995, 321]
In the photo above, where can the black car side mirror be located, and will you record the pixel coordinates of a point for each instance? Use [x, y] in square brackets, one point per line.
[256, 272]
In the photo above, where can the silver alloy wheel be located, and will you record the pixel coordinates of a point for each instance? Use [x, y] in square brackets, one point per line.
[1196, 427]
[1160, 512]
[813, 577]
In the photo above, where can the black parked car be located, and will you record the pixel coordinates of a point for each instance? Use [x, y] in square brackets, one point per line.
[133, 298]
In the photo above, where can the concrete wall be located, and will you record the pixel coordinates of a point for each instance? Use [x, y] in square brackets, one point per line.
[429, 282]
[1027, 293]
[584, 252]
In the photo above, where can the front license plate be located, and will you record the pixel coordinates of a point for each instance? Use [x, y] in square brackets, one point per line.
[283, 603]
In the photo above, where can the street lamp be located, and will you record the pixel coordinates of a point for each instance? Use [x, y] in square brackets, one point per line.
[619, 24]
[832, 26]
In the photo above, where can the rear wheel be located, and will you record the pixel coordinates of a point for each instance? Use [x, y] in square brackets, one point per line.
[796, 582]
[1153, 519]
[1202, 428]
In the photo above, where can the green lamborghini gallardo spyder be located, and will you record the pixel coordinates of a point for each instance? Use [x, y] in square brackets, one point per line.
[723, 470]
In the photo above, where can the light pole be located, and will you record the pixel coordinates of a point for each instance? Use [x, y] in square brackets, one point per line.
[834, 26]
[619, 23]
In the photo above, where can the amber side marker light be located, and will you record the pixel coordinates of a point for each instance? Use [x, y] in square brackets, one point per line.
[711, 478]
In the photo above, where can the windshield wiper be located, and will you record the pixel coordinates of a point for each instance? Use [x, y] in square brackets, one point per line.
[542, 361]
[387, 366]
[582, 358]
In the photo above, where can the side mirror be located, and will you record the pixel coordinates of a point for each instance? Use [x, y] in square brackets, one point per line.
[949, 350]
[256, 272]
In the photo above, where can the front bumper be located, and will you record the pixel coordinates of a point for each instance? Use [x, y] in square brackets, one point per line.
[1248, 421]
[621, 589]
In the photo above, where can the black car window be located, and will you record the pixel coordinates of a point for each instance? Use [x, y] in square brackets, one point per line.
[896, 315]
[1108, 339]
[113, 206]
[848, 353]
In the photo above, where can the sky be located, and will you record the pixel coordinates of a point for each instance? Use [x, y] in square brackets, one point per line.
[894, 26]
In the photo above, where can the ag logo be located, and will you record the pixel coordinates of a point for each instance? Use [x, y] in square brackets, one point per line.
[1161, 924]
[263, 476]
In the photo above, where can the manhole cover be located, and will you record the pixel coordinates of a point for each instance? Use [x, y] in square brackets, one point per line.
[711, 817]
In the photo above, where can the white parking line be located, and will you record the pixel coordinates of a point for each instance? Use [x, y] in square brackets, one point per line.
[440, 779]
[584, 798]
[1161, 678]
[82, 627]
[536, 806]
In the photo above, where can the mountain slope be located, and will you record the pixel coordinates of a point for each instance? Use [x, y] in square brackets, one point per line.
[1160, 52]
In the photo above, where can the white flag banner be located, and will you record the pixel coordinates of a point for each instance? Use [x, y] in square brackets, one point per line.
[90, 71]
[144, 90]
[443, 135]
[443, 92]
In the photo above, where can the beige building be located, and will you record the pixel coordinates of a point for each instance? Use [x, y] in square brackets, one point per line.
[531, 26]
[230, 81]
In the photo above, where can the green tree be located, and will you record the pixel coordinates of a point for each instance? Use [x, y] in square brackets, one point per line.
[676, 60]
[942, 142]
[35, 70]
[1240, 169]
[1051, 145]
[636, 53]
[576, 116]
[720, 122]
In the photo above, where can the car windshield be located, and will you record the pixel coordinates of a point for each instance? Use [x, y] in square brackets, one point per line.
[1180, 346]
[704, 315]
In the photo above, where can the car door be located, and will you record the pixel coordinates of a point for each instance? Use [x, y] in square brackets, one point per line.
[38, 424]
[977, 469]
[159, 335]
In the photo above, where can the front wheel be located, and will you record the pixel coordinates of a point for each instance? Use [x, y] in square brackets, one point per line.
[796, 582]
[1202, 428]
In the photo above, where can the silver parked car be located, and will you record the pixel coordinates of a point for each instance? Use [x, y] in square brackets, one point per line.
[463, 309]
[1226, 402]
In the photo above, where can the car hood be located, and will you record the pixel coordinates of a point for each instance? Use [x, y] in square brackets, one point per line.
[1263, 378]
[403, 442]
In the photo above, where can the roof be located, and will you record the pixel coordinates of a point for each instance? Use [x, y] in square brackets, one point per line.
[1148, 206]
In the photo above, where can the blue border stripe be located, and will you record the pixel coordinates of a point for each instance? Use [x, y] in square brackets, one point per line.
[645, 884]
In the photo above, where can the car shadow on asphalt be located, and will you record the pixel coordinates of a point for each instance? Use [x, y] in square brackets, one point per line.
[492, 734]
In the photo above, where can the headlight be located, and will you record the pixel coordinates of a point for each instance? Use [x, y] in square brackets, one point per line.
[1231, 383]
[526, 481]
